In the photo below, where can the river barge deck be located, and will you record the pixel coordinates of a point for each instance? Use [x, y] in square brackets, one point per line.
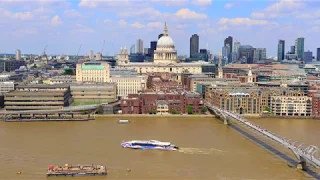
[76, 170]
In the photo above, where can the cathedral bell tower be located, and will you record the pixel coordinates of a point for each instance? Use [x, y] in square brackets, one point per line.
[123, 56]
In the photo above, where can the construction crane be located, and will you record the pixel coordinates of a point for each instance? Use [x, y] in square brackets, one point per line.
[102, 48]
[44, 54]
[78, 52]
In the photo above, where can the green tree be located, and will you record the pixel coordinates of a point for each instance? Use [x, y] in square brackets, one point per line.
[189, 109]
[204, 109]
[152, 112]
[34, 66]
[175, 112]
[68, 72]
[267, 108]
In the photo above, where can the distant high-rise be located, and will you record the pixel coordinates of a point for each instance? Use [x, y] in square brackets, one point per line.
[146, 51]
[159, 36]
[153, 47]
[228, 40]
[235, 54]
[292, 49]
[318, 54]
[18, 54]
[259, 54]
[281, 49]
[299, 47]
[139, 46]
[194, 45]
[133, 49]
[307, 56]
[91, 55]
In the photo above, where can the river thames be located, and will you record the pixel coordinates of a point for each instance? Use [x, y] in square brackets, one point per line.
[209, 149]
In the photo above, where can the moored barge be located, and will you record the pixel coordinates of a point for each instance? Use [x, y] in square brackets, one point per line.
[76, 170]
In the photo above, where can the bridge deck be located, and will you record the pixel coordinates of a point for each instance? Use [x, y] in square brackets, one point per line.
[307, 153]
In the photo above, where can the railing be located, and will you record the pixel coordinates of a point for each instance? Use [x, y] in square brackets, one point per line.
[308, 153]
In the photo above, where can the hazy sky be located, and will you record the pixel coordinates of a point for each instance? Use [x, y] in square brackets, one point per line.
[64, 25]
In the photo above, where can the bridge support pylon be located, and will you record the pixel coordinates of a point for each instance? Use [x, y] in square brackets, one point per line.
[302, 164]
[226, 121]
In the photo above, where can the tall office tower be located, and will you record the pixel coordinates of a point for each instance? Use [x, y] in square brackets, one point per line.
[228, 40]
[18, 54]
[299, 47]
[235, 53]
[281, 49]
[292, 50]
[318, 54]
[307, 56]
[91, 55]
[159, 36]
[236, 46]
[194, 45]
[153, 47]
[226, 54]
[259, 54]
[133, 49]
[139, 46]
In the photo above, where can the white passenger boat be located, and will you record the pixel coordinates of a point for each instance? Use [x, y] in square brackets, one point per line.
[151, 144]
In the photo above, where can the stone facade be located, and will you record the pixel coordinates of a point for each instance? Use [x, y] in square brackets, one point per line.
[245, 100]
[93, 71]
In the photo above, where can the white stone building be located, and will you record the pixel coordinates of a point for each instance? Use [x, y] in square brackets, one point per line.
[93, 71]
[165, 59]
[128, 84]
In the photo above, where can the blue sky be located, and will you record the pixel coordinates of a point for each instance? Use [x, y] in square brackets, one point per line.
[30, 25]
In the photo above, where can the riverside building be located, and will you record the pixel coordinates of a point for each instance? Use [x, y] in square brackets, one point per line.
[38, 97]
[93, 71]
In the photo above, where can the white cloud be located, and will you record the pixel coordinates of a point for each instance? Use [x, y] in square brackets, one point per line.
[243, 21]
[170, 2]
[80, 28]
[309, 15]
[316, 28]
[55, 21]
[72, 13]
[145, 12]
[110, 3]
[228, 5]
[122, 22]
[28, 31]
[188, 14]
[19, 15]
[155, 25]
[202, 2]
[279, 9]
[137, 25]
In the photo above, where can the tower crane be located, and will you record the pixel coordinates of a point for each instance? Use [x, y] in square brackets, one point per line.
[102, 48]
[78, 52]
[44, 54]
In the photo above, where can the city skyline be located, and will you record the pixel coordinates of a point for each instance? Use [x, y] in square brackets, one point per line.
[65, 25]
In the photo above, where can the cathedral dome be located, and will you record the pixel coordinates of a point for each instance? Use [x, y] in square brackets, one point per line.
[165, 41]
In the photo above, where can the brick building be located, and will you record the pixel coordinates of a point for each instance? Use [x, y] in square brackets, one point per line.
[145, 103]
[316, 106]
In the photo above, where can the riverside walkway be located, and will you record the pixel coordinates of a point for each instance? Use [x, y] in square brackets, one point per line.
[305, 154]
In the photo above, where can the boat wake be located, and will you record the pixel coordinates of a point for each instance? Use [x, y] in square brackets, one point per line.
[200, 150]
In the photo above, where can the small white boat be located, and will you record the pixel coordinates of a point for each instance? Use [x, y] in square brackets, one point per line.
[151, 144]
[123, 121]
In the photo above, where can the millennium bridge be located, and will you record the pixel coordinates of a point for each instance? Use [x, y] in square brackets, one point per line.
[304, 153]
